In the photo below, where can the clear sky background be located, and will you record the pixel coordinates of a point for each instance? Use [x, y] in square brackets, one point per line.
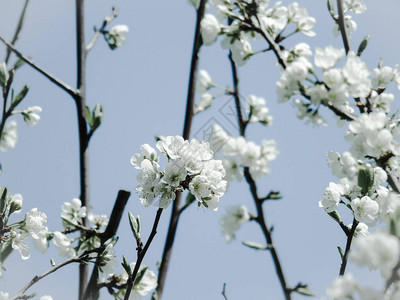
[142, 87]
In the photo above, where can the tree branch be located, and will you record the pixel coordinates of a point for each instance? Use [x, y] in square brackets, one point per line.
[260, 219]
[107, 20]
[82, 257]
[18, 30]
[49, 76]
[141, 254]
[92, 290]
[82, 126]
[348, 246]
[169, 241]
[342, 26]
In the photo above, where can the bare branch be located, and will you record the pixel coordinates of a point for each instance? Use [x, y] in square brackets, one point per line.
[49, 76]
[18, 30]
[107, 20]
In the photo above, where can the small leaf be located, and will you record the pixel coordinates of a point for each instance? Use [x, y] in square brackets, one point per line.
[134, 226]
[4, 75]
[331, 9]
[305, 291]
[363, 45]
[139, 276]
[335, 215]
[190, 198]
[154, 296]
[88, 116]
[254, 245]
[21, 95]
[125, 264]
[3, 200]
[340, 252]
[18, 64]
[52, 262]
[365, 180]
[393, 227]
[97, 116]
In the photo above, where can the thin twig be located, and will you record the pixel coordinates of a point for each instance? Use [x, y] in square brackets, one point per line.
[49, 76]
[342, 26]
[348, 246]
[223, 292]
[141, 254]
[82, 126]
[37, 278]
[169, 241]
[107, 20]
[17, 30]
[260, 219]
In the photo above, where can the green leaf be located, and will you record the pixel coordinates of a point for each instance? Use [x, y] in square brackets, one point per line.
[305, 291]
[18, 64]
[21, 95]
[52, 262]
[335, 215]
[393, 227]
[275, 195]
[88, 116]
[365, 180]
[134, 226]
[125, 264]
[139, 276]
[3, 200]
[190, 198]
[4, 75]
[340, 252]
[97, 116]
[331, 9]
[154, 296]
[363, 45]
[254, 245]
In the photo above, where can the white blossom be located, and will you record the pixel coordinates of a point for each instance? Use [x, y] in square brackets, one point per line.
[17, 243]
[210, 29]
[142, 288]
[46, 297]
[31, 115]
[73, 212]
[117, 36]
[63, 243]
[204, 82]
[331, 198]
[357, 6]
[236, 216]
[3, 295]
[365, 209]
[148, 152]
[9, 136]
[377, 250]
[342, 287]
[108, 263]
[41, 244]
[328, 57]
[35, 221]
[204, 103]
[98, 220]
[256, 109]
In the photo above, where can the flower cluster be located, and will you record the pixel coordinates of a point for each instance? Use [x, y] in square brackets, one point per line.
[258, 18]
[239, 153]
[190, 166]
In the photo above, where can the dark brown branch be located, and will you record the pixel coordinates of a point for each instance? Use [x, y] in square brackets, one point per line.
[18, 30]
[49, 76]
[82, 126]
[141, 254]
[260, 219]
[348, 246]
[342, 26]
[169, 241]
[92, 290]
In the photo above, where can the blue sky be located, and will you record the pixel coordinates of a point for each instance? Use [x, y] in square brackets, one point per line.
[142, 87]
